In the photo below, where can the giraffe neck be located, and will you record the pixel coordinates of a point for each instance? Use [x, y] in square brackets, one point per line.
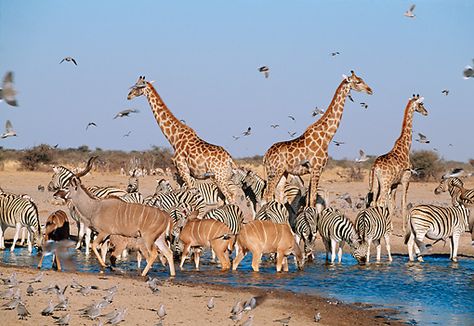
[403, 143]
[171, 127]
[327, 125]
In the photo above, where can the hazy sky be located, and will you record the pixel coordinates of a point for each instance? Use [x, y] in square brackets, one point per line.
[204, 57]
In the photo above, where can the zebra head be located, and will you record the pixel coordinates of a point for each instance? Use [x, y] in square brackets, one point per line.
[447, 184]
[62, 175]
[359, 251]
[132, 184]
[138, 89]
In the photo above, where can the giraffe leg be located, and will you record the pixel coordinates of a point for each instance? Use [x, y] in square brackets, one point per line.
[222, 182]
[405, 183]
[272, 183]
[280, 190]
[183, 171]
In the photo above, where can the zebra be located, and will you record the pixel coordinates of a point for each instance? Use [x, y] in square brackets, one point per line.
[373, 224]
[275, 212]
[210, 193]
[189, 199]
[132, 197]
[163, 186]
[16, 212]
[305, 229]
[62, 175]
[335, 228]
[436, 223]
[229, 214]
[456, 189]
[132, 184]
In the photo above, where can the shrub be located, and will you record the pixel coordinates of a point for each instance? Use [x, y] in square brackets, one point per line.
[41, 154]
[428, 165]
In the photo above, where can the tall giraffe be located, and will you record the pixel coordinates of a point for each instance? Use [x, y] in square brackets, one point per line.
[308, 154]
[394, 168]
[193, 157]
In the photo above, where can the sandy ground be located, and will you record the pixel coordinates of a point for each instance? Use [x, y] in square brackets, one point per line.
[186, 303]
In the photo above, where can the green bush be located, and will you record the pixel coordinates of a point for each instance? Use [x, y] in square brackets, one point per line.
[32, 158]
[427, 164]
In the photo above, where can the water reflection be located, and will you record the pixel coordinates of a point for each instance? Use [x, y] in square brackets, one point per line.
[429, 293]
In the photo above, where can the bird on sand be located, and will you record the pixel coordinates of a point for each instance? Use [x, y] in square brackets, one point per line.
[250, 304]
[91, 124]
[9, 132]
[69, 59]
[409, 13]
[63, 320]
[48, 311]
[210, 303]
[125, 113]
[22, 312]
[264, 70]
[37, 278]
[283, 321]
[162, 311]
[7, 92]
[29, 290]
[317, 317]
[247, 132]
[249, 321]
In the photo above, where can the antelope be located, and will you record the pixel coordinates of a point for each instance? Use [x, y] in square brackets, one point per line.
[56, 229]
[264, 237]
[198, 233]
[111, 216]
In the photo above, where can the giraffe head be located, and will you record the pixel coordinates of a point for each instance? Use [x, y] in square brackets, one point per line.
[138, 89]
[417, 104]
[356, 83]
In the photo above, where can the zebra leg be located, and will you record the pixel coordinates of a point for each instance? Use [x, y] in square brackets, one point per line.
[410, 245]
[327, 245]
[88, 240]
[387, 245]
[2, 236]
[454, 247]
[272, 183]
[333, 250]
[29, 240]
[15, 238]
[369, 242]
[23, 236]
[139, 259]
[378, 246]
[256, 257]
[339, 252]
[280, 190]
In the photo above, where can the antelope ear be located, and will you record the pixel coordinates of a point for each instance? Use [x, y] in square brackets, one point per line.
[345, 77]
[75, 182]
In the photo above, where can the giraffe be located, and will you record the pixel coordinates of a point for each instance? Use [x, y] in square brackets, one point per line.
[394, 168]
[193, 157]
[308, 154]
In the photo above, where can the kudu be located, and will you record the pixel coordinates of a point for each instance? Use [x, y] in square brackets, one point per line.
[56, 229]
[265, 237]
[198, 233]
[111, 216]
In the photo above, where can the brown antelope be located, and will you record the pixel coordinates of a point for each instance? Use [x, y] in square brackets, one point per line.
[264, 237]
[120, 243]
[198, 233]
[112, 216]
[56, 229]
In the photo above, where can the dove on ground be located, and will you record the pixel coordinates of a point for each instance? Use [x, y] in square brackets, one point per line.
[283, 321]
[237, 317]
[250, 304]
[29, 290]
[38, 278]
[10, 305]
[22, 312]
[210, 303]
[7, 92]
[119, 318]
[64, 320]
[69, 59]
[48, 311]
[237, 308]
[249, 321]
[317, 317]
[162, 311]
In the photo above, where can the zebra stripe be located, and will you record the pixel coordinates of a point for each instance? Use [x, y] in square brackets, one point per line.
[163, 186]
[305, 228]
[210, 193]
[456, 190]
[436, 223]
[16, 211]
[103, 192]
[275, 212]
[61, 178]
[132, 197]
[132, 184]
[189, 199]
[335, 228]
[373, 224]
[230, 215]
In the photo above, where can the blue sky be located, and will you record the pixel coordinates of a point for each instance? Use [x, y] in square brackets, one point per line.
[204, 57]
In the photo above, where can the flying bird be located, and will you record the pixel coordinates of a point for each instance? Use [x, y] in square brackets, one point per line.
[364, 105]
[125, 113]
[69, 59]
[274, 126]
[362, 157]
[265, 71]
[350, 97]
[7, 92]
[422, 139]
[335, 53]
[9, 132]
[247, 132]
[291, 117]
[183, 121]
[468, 71]
[454, 173]
[445, 92]
[338, 143]
[127, 134]
[236, 137]
[292, 134]
[409, 13]
[90, 124]
[317, 111]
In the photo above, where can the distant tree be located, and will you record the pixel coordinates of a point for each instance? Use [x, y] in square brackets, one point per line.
[471, 161]
[42, 154]
[83, 148]
[427, 164]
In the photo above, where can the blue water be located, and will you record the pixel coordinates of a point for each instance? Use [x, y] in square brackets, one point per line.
[436, 292]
